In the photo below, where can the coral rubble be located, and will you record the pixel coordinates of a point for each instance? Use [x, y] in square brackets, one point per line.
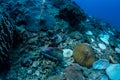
[57, 41]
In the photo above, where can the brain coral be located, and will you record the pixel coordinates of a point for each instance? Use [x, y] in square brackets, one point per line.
[83, 55]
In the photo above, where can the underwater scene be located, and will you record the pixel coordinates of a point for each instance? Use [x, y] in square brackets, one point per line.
[58, 40]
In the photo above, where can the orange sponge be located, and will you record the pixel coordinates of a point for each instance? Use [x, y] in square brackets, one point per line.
[83, 55]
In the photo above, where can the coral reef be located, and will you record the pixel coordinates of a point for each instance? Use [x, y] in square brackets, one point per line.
[47, 33]
[83, 55]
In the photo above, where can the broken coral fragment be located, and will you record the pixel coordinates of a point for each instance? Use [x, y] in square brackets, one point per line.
[113, 71]
[102, 46]
[67, 52]
[101, 64]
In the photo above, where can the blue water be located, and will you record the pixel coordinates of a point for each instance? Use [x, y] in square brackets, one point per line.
[108, 10]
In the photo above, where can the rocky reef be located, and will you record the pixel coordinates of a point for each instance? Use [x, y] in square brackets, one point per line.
[55, 40]
[72, 14]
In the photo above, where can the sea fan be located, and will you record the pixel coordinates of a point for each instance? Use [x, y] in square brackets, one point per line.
[6, 37]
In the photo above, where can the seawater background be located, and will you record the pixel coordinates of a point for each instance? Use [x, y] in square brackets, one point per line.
[108, 10]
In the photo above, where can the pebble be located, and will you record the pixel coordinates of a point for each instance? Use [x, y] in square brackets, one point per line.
[101, 64]
[113, 71]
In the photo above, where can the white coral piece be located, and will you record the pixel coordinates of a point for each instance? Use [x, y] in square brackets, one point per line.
[67, 52]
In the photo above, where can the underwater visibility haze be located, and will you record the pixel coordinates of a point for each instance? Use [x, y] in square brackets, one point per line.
[59, 40]
[107, 10]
